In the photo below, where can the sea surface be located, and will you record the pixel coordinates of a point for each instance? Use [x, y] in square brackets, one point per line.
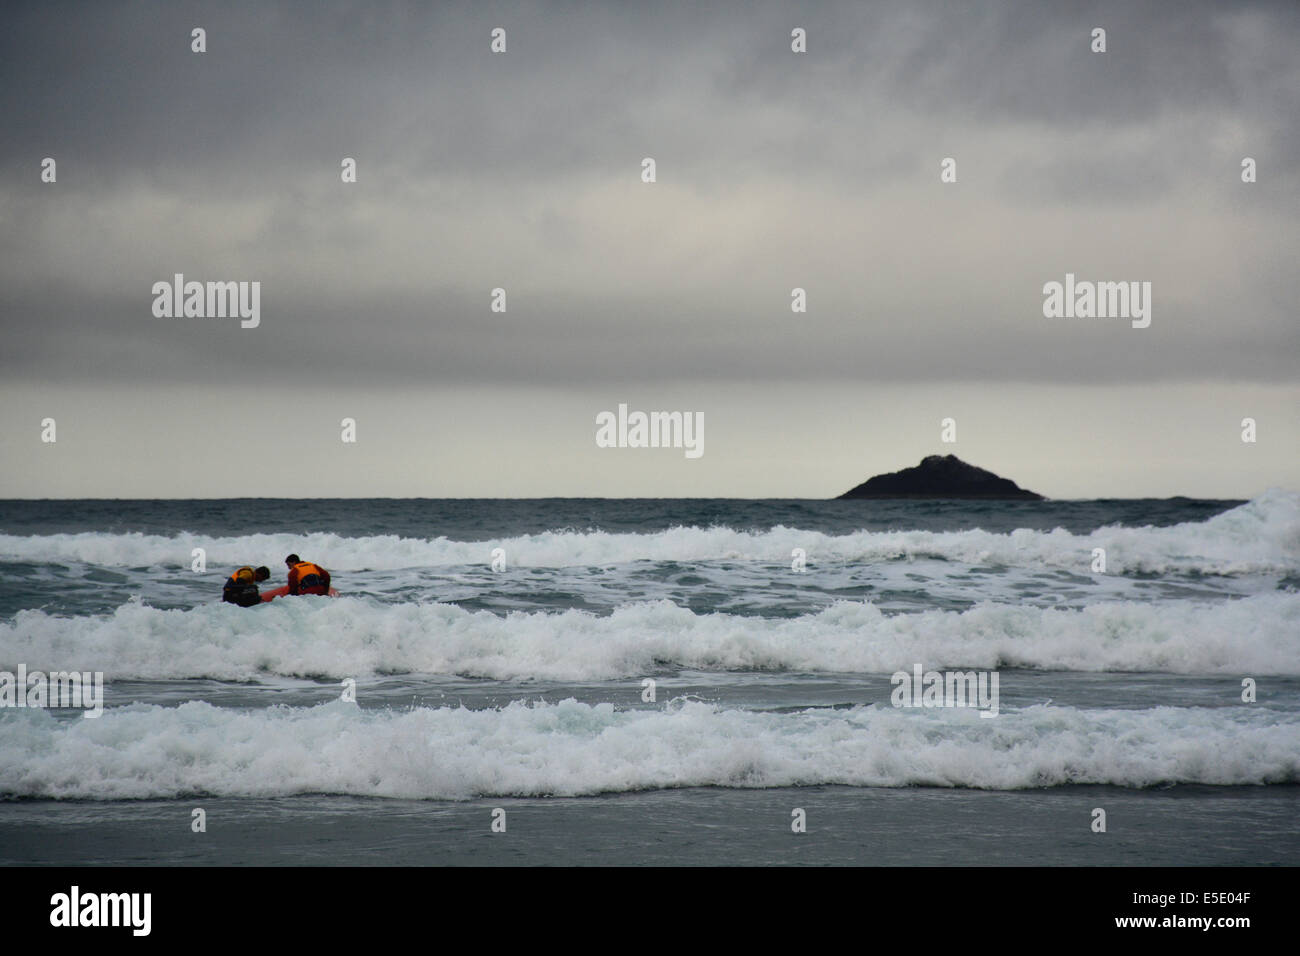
[658, 682]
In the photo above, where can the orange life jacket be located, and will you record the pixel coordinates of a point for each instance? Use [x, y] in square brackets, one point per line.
[244, 575]
[308, 576]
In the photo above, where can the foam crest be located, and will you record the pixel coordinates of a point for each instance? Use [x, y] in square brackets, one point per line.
[352, 637]
[570, 748]
[1261, 536]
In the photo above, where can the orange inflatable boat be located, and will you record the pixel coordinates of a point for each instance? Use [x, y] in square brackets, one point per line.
[284, 590]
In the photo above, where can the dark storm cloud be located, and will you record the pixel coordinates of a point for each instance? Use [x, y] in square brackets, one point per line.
[118, 85]
[521, 170]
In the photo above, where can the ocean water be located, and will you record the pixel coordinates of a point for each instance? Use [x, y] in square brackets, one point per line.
[653, 681]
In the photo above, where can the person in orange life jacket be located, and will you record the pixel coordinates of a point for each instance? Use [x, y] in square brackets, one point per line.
[241, 587]
[306, 578]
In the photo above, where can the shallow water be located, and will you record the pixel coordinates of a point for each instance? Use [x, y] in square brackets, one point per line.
[524, 688]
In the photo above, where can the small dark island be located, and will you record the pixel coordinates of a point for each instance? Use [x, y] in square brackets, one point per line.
[942, 476]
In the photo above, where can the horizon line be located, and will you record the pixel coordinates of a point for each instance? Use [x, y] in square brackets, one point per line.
[606, 498]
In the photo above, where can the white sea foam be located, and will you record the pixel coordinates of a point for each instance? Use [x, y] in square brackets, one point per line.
[1261, 536]
[572, 748]
[351, 637]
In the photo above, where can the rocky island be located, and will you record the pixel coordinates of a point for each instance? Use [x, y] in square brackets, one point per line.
[942, 476]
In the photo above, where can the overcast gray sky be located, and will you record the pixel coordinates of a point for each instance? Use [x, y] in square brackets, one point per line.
[522, 171]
